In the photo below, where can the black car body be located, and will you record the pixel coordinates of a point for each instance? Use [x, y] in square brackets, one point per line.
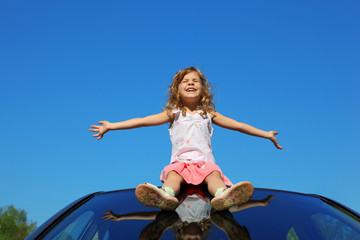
[270, 214]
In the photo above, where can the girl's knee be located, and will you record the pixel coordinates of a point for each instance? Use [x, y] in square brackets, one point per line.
[174, 176]
[213, 175]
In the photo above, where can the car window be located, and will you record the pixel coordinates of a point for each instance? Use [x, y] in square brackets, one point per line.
[295, 216]
[86, 221]
[73, 228]
[268, 215]
[333, 228]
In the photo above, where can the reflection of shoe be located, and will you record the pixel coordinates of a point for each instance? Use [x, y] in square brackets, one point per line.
[237, 194]
[226, 222]
[156, 228]
[152, 196]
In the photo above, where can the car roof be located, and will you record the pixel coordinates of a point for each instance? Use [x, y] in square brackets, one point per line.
[269, 211]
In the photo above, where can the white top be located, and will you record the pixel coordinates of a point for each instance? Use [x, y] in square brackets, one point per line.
[194, 209]
[191, 138]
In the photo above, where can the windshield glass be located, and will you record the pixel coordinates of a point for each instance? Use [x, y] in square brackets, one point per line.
[268, 215]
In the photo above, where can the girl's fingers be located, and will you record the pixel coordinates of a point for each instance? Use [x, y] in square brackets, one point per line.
[276, 143]
[274, 133]
[278, 146]
[274, 140]
[98, 129]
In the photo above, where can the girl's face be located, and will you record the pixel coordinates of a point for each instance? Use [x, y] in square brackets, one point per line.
[190, 88]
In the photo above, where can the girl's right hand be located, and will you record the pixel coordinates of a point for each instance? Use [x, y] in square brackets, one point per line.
[274, 140]
[101, 130]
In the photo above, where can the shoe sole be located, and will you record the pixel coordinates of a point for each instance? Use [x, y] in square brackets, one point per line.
[236, 195]
[151, 196]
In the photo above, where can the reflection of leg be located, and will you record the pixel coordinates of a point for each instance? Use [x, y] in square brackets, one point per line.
[226, 222]
[156, 228]
[152, 196]
[214, 182]
[237, 194]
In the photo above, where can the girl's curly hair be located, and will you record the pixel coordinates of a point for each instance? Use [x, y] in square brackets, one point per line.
[174, 102]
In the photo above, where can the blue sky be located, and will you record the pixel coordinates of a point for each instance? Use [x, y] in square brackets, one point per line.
[289, 66]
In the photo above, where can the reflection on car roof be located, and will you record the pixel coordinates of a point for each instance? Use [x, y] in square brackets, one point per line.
[270, 214]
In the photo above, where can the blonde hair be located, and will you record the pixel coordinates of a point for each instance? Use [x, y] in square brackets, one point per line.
[174, 101]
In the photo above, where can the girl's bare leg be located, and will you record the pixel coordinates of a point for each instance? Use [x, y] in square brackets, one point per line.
[174, 181]
[214, 182]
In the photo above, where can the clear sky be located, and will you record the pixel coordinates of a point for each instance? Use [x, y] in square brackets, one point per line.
[289, 66]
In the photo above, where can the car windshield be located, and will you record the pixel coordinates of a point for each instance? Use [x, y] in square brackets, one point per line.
[268, 215]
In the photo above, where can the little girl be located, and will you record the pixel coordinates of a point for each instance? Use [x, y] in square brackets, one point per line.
[190, 111]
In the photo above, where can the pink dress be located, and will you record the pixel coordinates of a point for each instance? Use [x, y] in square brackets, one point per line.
[191, 155]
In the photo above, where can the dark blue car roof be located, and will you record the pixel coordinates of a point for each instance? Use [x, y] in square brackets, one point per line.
[270, 214]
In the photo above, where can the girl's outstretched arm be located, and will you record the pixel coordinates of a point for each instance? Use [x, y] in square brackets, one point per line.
[252, 203]
[130, 216]
[148, 121]
[229, 123]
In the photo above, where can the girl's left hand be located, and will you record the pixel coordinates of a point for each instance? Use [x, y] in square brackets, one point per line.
[112, 216]
[101, 130]
[273, 139]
